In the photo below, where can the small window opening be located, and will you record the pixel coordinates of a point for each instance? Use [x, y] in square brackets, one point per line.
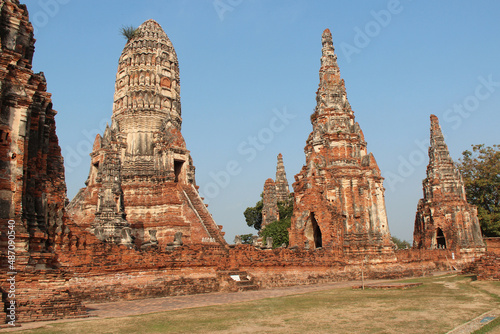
[177, 169]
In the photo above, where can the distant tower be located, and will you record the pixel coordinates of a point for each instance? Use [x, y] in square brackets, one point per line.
[444, 219]
[270, 211]
[282, 190]
[142, 179]
[339, 195]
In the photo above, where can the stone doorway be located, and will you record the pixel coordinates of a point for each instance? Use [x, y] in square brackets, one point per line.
[318, 242]
[440, 239]
[177, 169]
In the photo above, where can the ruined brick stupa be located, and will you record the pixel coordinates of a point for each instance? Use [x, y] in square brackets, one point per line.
[141, 187]
[444, 219]
[339, 196]
[282, 190]
[274, 192]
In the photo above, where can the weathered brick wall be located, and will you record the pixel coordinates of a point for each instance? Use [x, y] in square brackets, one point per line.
[104, 272]
[489, 267]
[147, 283]
[42, 296]
[102, 258]
[493, 245]
[485, 268]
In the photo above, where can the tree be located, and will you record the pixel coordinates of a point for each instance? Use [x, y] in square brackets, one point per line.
[128, 32]
[285, 208]
[401, 244]
[278, 230]
[481, 175]
[253, 215]
[246, 239]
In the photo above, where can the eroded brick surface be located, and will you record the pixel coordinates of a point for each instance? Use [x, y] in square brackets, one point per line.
[493, 244]
[485, 268]
[32, 186]
[339, 195]
[270, 211]
[444, 219]
[141, 189]
[142, 180]
[274, 191]
[282, 189]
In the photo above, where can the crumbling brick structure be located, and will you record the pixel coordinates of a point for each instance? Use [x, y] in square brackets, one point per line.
[444, 219]
[32, 187]
[141, 188]
[270, 211]
[339, 196]
[274, 192]
[486, 268]
[33, 223]
[492, 244]
[142, 179]
[282, 189]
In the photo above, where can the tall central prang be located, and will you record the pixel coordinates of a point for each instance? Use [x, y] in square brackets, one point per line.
[141, 189]
[147, 106]
[339, 196]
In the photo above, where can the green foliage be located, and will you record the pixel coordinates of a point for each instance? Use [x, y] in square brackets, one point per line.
[128, 32]
[402, 244]
[278, 230]
[285, 208]
[253, 215]
[481, 174]
[246, 239]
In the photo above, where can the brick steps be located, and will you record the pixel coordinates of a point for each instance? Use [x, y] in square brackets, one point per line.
[207, 219]
[238, 280]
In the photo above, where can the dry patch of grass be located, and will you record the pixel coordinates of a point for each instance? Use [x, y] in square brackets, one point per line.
[437, 306]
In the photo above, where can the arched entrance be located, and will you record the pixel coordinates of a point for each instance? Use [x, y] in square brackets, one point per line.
[318, 242]
[440, 239]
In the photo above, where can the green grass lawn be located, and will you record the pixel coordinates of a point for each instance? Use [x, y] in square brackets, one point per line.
[437, 306]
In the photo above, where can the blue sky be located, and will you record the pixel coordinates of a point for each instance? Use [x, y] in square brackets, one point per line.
[249, 73]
